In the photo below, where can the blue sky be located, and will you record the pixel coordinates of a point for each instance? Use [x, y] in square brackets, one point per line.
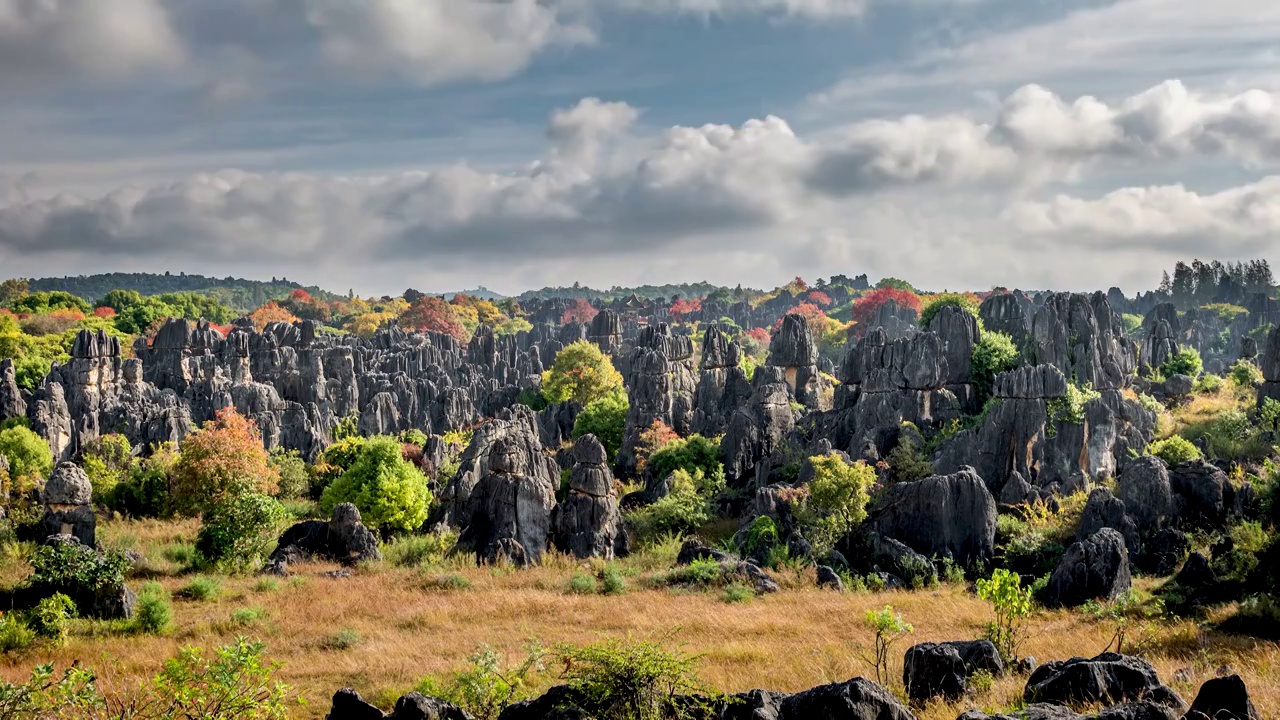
[382, 144]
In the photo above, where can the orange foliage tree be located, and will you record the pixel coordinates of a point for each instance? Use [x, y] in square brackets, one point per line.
[579, 311]
[223, 460]
[432, 314]
[683, 306]
[269, 313]
[104, 312]
[865, 308]
[819, 298]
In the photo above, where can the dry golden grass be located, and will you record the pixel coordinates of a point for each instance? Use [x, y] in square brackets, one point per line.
[789, 641]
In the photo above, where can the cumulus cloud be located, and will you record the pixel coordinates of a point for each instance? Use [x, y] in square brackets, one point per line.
[820, 9]
[886, 191]
[45, 39]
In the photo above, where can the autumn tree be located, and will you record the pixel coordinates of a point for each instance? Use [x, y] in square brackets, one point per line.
[683, 306]
[579, 311]
[581, 372]
[223, 459]
[11, 290]
[432, 314]
[819, 298]
[866, 307]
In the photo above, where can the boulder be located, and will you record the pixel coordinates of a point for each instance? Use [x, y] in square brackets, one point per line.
[856, 699]
[1095, 568]
[1270, 365]
[793, 349]
[1145, 710]
[1223, 698]
[1203, 495]
[416, 706]
[932, 670]
[829, 578]
[343, 539]
[1146, 491]
[11, 403]
[1108, 679]
[945, 516]
[589, 522]
[1034, 711]
[348, 705]
[68, 504]
[1162, 554]
[1102, 510]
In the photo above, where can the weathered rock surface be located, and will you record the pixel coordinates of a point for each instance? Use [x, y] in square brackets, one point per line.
[11, 403]
[343, 539]
[723, 386]
[68, 504]
[932, 670]
[1270, 367]
[793, 349]
[945, 516]
[660, 387]
[1145, 489]
[1108, 678]
[1092, 569]
[1103, 510]
[757, 429]
[1223, 698]
[589, 523]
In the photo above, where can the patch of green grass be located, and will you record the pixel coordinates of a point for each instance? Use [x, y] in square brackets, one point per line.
[613, 582]
[201, 588]
[182, 554]
[266, 584]
[344, 639]
[153, 612]
[582, 584]
[737, 593]
[247, 616]
[450, 581]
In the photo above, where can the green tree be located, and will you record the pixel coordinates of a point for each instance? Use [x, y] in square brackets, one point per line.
[995, 353]
[894, 283]
[606, 418]
[889, 627]
[1011, 603]
[107, 461]
[30, 460]
[12, 290]
[1184, 362]
[580, 372]
[690, 454]
[390, 492]
[237, 530]
[837, 499]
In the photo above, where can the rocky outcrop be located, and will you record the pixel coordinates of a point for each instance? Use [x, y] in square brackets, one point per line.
[1084, 338]
[606, 332]
[342, 539]
[944, 516]
[723, 386]
[1108, 678]
[1103, 510]
[1225, 698]
[505, 490]
[793, 349]
[589, 523]
[348, 705]
[1203, 495]
[68, 504]
[1096, 568]
[757, 429]
[1008, 313]
[660, 386]
[957, 329]
[11, 403]
[1146, 492]
[931, 670]
[1270, 365]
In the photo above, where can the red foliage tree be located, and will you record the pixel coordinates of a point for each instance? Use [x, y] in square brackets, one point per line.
[104, 312]
[430, 313]
[808, 311]
[300, 295]
[759, 334]
[682, 307]
[578, 311]
[819, 298]
[865, 308]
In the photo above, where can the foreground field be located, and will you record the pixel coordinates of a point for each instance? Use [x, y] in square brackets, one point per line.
[385, 628]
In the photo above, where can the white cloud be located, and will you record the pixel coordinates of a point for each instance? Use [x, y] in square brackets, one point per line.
[44, 39]
[814, 9]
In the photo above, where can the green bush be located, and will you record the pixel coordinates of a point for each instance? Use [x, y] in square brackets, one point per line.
[888, 627]
[689, 454]
[14, 633]
[451, 581]
[239, 531]
[1174, 451]
[295, 481]
[1208, 384]
[995, 353]
[612, 581]
[390, 492]
[606, 418]
[236, 684]
[685, 509]
[154, 612]
[1070, 407]
[837, 500]
[533, 399]
[144, 492]
[76, 570]
[737, 593]
[486, 687]
[630, 679]
[28, 454]
[1184, 362]
[201, 588]
[50, 617]
[762, 536]
[344, 639]
[419, 550]
[965, 301]
[108, 462]
[582, 584]
[1245, 374]
[907, 463]
[1011, 604]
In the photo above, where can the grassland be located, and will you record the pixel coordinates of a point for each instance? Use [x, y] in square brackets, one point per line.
[386, 627]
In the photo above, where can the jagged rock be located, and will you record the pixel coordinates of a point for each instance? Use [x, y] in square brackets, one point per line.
[1145, 710]
[793, 349]
[343, 539]
[829, 578]
[932, 670]
[1092, 569]
[1223, 698]
[504, 492]
[416, 706]
[11, 403]
[757, 428]
[693, 549]
[1270, 367]
[1145, 489]
[1008, 313]
[348, 705]
[1034, 711]
[660, 387]
[945, 516]
[1108, 678]
[1102, 510]
[68, 504]
[1017, 491]
[1083, 337]
[1160, 340]
[856, 699]
[723, 386]
[606, 331]
[870, 552]
[957, 329]
[589, 523]
[1162, 553]
[1203, 495]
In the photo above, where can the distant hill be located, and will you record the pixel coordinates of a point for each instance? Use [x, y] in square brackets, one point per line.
[685, 290]
[235, 292]
[481, 292]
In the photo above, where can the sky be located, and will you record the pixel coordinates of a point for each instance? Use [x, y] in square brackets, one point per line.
[376, 145]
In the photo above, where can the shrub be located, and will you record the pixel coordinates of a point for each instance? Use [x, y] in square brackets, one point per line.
[612, 581]
[225, 459]
[907, 463]
[390, 492]
[995, 353]
[344, 639]
[1269, 415]
[238, 531]
[689, 454]
[686, 508]
[266, 584]
[14, 633]
[76, 570]
[888, 627]
[630, 680]
[50, 617]
[762, 536]
[145, 491]
[107, 462]
[533, 399]
[445, 582]
[737, 593]
[419, 550]
[1208, 384]
[1069, 408]
[201, 588]
[247, 616]
[582, 584]
[606, 418]
[153, 613]
[1184, 362]
[236, 684]
[1245, 374]
[1174, 451]
[699, 572]
[581, 372]
[28, 454]
[934, 304]
[295, 481]
[837, 500]
[486, 688]
[1011, 604]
